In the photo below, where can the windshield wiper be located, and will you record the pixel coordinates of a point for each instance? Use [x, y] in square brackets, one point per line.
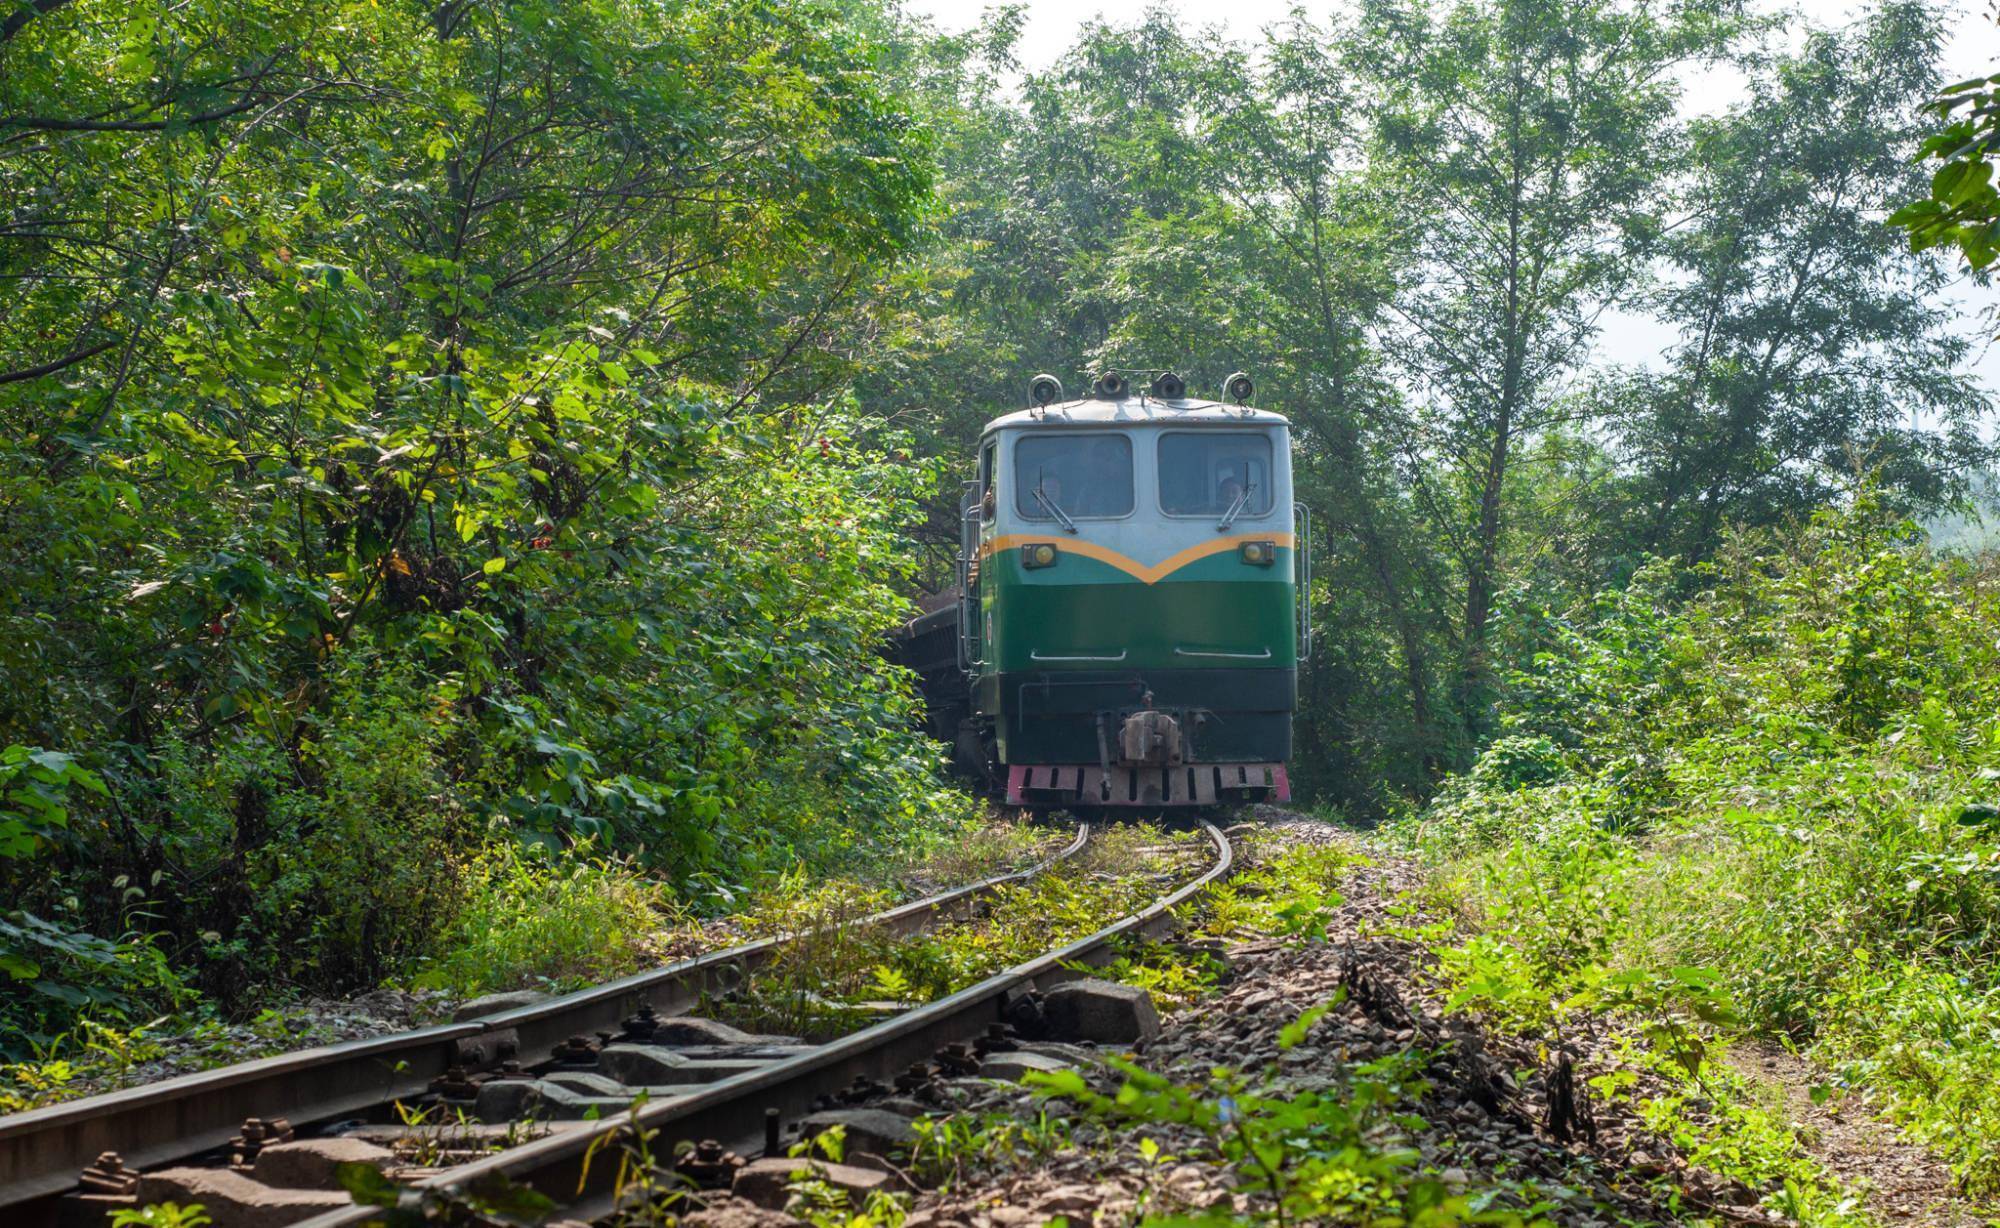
[1235, 510]
[1049, 505]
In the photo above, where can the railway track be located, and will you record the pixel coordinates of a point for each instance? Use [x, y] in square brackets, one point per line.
[578, 1169]
[51, 1153]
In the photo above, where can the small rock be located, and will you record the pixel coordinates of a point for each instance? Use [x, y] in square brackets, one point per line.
[1067, 1200]
[735, 1213]
[1101, 1011]
[1015, 1066]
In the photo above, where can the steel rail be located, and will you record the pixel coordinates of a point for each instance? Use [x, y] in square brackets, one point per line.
[43, 1151]
[577, 1168]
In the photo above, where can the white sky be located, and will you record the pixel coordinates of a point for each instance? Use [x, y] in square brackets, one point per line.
[1052, 24]
[1974, 50]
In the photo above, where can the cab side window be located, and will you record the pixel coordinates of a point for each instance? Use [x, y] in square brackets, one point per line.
[1083, 474]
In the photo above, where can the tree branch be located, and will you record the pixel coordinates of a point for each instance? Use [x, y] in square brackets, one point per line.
[51, 123]
[54, 365]
[27, 12]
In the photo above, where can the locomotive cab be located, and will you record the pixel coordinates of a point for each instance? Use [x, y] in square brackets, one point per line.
[1130, 614]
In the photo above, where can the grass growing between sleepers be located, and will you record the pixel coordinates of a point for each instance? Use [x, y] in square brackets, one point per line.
[832, 976]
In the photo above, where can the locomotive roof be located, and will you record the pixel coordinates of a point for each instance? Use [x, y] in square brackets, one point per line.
[1136, 410]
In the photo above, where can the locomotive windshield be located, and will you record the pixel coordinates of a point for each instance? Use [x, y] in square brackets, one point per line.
[1081, 475]
[1207, 473]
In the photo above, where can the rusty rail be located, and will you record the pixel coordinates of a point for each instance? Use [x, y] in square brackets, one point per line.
[43, 1150]
[577, 1168]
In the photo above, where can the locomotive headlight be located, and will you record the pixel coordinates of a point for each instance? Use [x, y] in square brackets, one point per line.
[1038, 554]
[1259, 554]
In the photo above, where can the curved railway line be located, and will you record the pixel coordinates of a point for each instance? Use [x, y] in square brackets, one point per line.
[735, 1101]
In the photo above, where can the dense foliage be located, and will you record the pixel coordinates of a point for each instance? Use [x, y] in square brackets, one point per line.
[394, 460]
[1788, 781]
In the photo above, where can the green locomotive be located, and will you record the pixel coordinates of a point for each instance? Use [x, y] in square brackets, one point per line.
[1129, 616]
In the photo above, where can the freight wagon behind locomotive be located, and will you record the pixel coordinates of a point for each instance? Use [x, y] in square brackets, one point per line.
[1129, 614]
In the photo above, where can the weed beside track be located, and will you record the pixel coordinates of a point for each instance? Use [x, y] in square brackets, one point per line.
[552, 930]
[834, 976]
[1343, 1056]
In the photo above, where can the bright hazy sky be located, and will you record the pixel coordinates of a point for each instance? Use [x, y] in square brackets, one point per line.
[1974, 50]
[1052, 24]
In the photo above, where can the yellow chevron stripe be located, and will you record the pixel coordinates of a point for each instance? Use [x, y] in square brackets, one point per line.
[1132, 567]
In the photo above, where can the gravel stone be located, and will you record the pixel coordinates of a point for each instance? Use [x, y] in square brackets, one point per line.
[1103, 1012]
[1015, 1066]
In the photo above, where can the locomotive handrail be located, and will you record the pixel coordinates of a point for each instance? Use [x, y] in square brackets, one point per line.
[968, 551]
[1036, 655]
[1302, 575]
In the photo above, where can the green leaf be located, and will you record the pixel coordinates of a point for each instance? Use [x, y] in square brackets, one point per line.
[17, 967]
[366, 1184]
[1292, 1033]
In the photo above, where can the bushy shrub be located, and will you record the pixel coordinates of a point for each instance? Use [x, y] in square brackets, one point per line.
[1787, 777]
[53, 969]
[691, 687]
[532, 917]
[366, 868]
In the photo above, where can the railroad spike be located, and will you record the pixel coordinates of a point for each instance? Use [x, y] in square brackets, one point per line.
[108, 1175]
[455, 1084]
[708, 1165]
[861, 1090]
[916, 1078]
[576, 1051]
[642, 1024]
[957, 1058]
[999, 1038]
[258, 1133]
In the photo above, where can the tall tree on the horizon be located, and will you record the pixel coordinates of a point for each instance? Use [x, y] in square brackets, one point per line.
[1523, 138]
[1811, 343]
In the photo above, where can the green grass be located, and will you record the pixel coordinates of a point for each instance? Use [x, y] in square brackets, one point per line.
[817, 982]
[552, 920]
[1784, 785]
[529, 917]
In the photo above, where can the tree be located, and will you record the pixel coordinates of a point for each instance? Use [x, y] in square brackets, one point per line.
[412, 375]
[1810, 344]
[1288, 144]
[1522, 139]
